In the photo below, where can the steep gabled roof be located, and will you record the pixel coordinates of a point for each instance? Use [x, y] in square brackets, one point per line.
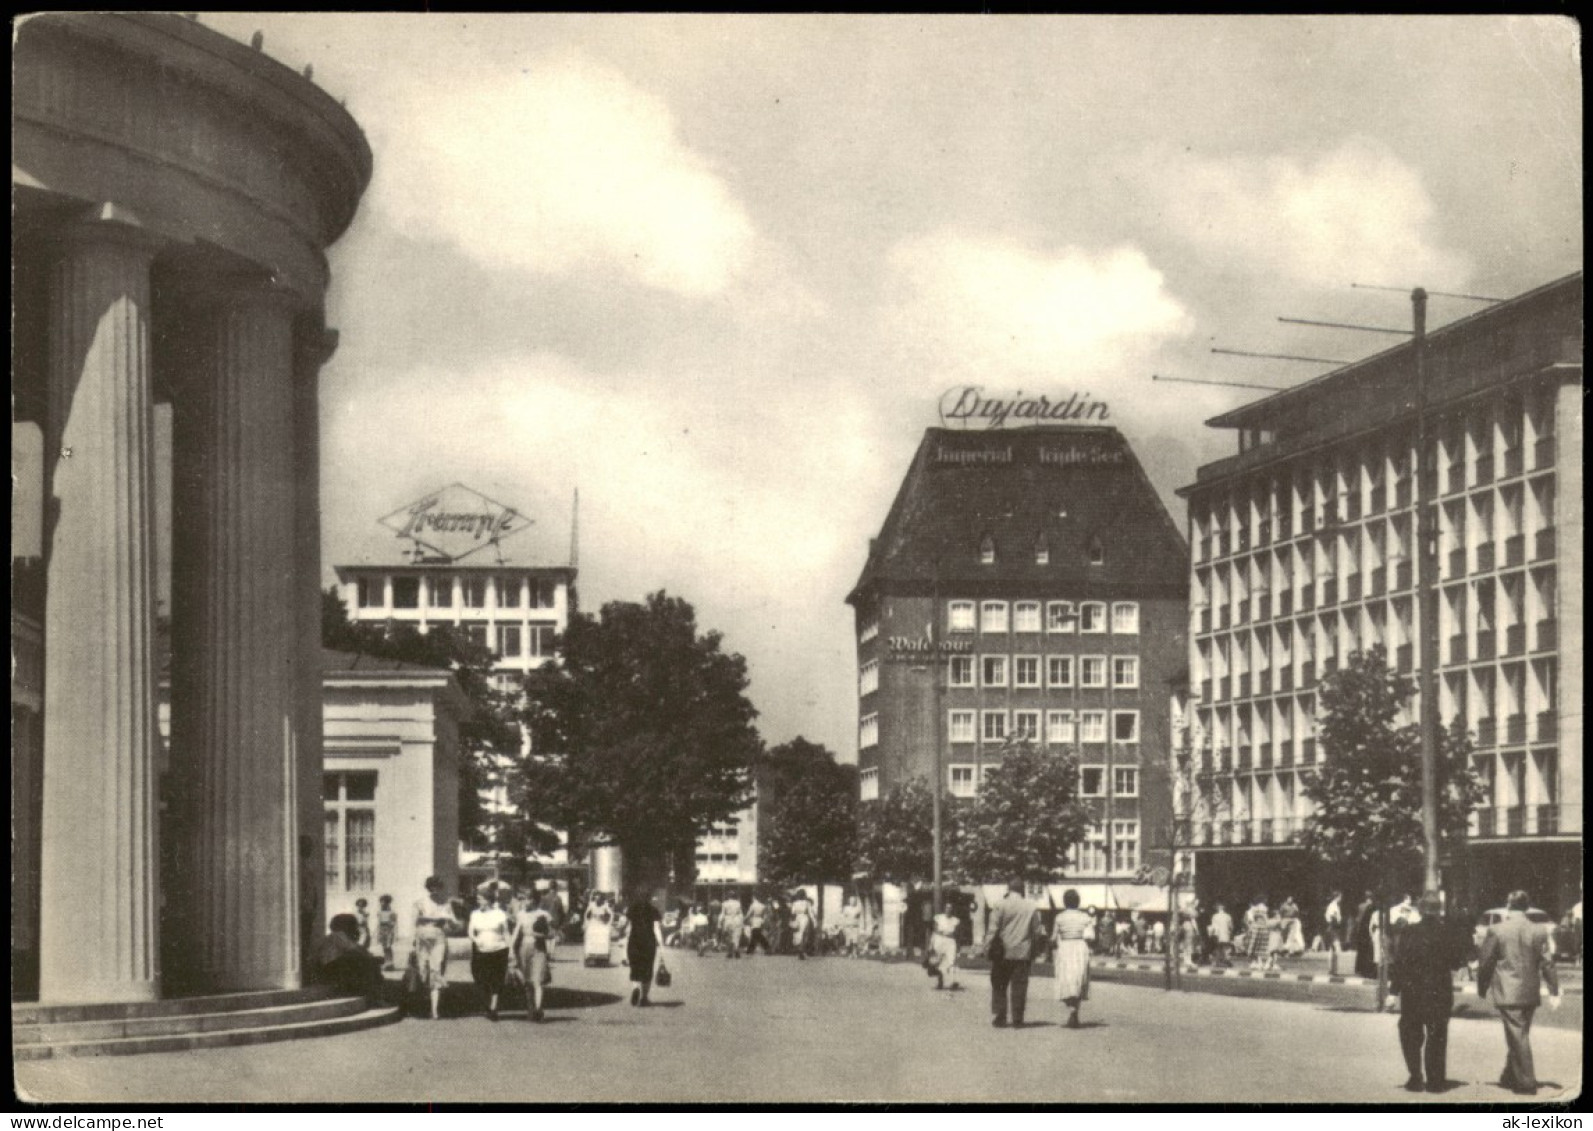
[1071, 486]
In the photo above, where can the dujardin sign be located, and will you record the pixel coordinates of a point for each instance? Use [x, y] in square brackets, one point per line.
[970, 407]
[455, 522]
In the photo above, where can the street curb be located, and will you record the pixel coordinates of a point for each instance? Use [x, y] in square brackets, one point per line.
[1267, 975]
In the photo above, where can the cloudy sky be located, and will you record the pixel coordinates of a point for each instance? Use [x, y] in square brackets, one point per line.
[716, 272]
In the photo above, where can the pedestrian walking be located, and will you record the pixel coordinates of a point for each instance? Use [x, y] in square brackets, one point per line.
[1011, 948]
[489, 930]
[1363, 939]
[532, 945]
[1071, 958]
[941, 959]
[434, 917]
[1220, 931]
[1422, 976]
[731, 924]
[386, 929]
[801, 923]
[757, 922]
[642, 946]
[1258, 932]
[1333, 929]
[851, 925]
[1513, 965]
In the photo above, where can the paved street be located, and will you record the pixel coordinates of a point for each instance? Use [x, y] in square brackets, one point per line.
[776, 1030]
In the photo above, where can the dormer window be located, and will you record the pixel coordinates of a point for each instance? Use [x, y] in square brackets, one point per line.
[1042, 551]
[1097, 552]
[987, 550]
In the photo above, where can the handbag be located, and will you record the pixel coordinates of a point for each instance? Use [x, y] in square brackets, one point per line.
[663, 977]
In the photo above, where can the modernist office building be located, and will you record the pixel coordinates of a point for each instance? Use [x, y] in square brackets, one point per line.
[1026, 584]
[1303, 551]
[173, 196]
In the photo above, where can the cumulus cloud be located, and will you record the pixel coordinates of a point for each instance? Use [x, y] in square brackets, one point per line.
[988, 306]
[561, 167]
[1355, 212]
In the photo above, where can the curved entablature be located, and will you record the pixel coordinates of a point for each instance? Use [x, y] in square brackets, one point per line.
[194, 137]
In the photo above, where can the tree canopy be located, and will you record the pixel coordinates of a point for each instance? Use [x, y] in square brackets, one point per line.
[1025, 819]
[808, 829]
[489, 735]
[895, 833]
[642, 736]
[1367, 791]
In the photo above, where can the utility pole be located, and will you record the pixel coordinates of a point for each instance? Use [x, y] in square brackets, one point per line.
[1427, 597]
[934, 699]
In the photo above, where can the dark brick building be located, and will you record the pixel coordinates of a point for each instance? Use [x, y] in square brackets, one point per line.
[1027, 583]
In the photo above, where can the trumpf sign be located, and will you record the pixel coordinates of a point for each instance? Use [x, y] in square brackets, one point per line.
[968, 404]
[455, 522]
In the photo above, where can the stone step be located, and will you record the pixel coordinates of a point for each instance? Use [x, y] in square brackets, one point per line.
[71, 1032]
[34, 1013]
[124, 1046]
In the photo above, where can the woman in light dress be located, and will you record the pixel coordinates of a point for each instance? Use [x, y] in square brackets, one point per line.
[943, 946]
[434, 916]
[532, 943]
[1072, 932]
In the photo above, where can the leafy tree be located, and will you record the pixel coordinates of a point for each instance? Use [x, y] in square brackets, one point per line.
[1367, 792]
[895, 833]
[489, 736]
[1024, 820]
[808, 833]
[643, 733]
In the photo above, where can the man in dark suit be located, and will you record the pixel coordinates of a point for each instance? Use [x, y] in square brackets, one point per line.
[1011, 948]
[1512, 963]
[1422, 974]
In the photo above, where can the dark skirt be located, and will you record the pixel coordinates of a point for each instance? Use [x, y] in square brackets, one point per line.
[641, 959]
[490, 970]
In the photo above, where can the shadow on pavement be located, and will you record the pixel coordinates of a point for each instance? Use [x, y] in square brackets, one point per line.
[558, 997]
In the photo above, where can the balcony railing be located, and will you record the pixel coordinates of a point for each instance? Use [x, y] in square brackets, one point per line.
[1330, 591]
[1222, 617]
[1266, 830]
[1457, 648]
[1547, 730]
[1515, 821]
[1515, 639]
[1329, 666]
[1286, 602]
[1547, 636]
[1455, 478]
[1404, 657]
[1307, 673]
[1402, 576]
[1512, 462]
[1244, 686]
[1264, 607]
[1308, 751]
[1224, 685]
[1543, 454]
[1484, 645]
[1352, 587]
[1285, 528]
[1264, 757]
[1205, 691]
[1402, 493]
[1543, 545]
[1243, 762]
[1243, 830]
[1308, 598]
[1379, 501]
[1516, 729]
[1487, 732]
[1376, 580]
[1522, 820]
[1484, 557]
[1205, 620]
[1485, 822]
[1352, 507]
[1457, 563]
[1264, 683]
[1543, 820]
[1241, 615]
[1286, 679]
[1484, 470]
[1286, 754]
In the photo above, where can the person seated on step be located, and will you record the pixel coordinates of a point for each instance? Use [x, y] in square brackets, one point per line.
[340, 962]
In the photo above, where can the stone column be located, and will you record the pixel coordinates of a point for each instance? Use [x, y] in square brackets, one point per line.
[98, 876]
[314, 344]
[235, 689]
